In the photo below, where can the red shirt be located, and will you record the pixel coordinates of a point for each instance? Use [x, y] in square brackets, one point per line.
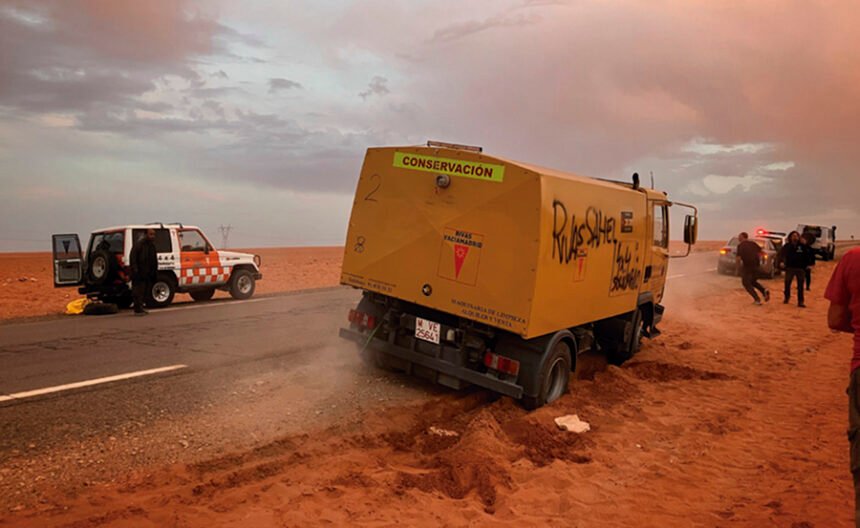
[844, 290]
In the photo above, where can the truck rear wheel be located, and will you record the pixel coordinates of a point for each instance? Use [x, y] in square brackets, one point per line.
[554, 377]
[242, 284]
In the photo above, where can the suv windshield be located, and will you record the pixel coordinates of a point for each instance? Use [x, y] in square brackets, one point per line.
[811, 230]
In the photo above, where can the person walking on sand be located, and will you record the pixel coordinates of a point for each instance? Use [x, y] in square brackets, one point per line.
[807, 240]
[843, 292]
[794, 258]
[144, 268]
[749, 260]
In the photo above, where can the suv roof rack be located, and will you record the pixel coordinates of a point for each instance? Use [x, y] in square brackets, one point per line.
[162, 224]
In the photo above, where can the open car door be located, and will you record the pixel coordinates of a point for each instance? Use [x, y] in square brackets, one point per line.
[68, 260]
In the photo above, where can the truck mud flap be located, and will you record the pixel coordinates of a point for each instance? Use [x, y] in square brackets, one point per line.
[475, 378]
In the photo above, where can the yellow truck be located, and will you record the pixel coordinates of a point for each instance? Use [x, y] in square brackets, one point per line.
[481, 270]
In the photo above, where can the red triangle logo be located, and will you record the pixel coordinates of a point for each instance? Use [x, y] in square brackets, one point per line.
[460, 253]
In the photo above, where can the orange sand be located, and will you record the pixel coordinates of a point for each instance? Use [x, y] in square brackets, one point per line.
[284, 269]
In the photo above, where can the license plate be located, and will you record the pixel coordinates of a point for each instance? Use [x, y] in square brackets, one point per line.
[427, 330]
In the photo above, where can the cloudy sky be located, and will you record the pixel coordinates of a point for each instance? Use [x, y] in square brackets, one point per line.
[257, 114]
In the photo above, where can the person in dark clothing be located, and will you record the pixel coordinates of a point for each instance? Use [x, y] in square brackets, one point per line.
[794, 259]
[749, 259]
[807, 240]
[144, 268]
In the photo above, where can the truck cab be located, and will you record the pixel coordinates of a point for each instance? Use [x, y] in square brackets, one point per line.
[187, 263]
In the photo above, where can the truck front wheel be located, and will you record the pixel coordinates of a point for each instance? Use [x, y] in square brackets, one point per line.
[631, 341]
[554, 377]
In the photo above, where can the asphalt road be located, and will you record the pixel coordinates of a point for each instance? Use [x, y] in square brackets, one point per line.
[55, 352]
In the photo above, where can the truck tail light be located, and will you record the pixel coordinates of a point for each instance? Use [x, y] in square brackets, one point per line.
[501, 363]
[362, 319]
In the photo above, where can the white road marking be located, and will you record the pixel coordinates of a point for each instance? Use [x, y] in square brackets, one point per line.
[88, 383]
[670, 277]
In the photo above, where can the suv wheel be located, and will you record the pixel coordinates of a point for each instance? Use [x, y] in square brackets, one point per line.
[100, 267]
[242, 284]
[161, 292]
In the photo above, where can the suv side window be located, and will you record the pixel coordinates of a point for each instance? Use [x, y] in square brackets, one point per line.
[191, 240]
[162, 239]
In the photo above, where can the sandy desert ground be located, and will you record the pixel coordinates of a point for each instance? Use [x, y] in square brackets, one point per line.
[734, 417]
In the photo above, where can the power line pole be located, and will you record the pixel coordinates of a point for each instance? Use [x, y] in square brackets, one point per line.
[225, 234]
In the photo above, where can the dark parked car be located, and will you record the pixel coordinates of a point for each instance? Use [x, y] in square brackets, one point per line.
[727, 264]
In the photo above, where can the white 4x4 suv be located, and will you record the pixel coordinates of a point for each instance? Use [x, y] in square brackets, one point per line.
[824, 239]
[187, 263]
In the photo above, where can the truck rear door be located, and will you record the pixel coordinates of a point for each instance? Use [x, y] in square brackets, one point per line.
[68, 260]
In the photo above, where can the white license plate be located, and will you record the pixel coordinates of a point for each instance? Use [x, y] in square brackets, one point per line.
[427, 330]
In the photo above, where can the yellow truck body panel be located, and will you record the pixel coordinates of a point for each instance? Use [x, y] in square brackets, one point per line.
[518, 247]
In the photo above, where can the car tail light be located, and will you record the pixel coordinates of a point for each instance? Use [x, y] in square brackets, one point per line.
[765, 257]
[501, 363]
[362, 319]
[725, 251]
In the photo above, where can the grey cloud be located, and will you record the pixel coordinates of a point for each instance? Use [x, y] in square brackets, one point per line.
[84, 55]
[378, 86]
[277, 84]
[470, 27]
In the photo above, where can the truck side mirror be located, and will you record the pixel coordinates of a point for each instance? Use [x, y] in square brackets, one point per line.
[691, 229]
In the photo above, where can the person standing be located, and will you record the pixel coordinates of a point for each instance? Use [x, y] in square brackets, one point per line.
[144, 269]
[843, 292]
[807, 240]
[749, 259]
[794, 258]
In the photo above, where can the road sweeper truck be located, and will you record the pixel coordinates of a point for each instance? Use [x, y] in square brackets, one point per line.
[476, 269]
